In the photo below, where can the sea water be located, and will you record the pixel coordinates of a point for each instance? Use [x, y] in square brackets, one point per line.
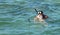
[14, 15]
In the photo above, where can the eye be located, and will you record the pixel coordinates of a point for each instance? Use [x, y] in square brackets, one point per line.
[38, 12]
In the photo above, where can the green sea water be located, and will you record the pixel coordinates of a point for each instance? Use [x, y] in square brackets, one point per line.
[14, 15]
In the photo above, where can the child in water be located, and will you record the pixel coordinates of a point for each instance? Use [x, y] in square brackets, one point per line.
[40, 16]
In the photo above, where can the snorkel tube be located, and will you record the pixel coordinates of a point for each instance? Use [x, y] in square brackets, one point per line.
[36, 11]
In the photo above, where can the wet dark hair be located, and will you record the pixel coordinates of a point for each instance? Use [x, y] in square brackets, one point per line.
[41, 12]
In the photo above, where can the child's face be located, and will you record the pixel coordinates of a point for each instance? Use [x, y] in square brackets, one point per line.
[39, 12]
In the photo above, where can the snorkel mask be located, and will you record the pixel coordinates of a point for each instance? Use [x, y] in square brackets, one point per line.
[41, 12]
